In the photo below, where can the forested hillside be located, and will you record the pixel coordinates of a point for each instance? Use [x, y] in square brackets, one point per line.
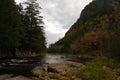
[20, 30]
[90, 50]
[96, 32]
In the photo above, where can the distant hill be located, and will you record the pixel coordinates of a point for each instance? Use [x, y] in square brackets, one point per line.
[92, 32]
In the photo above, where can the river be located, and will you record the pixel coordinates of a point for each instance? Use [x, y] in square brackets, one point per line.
[23, 66]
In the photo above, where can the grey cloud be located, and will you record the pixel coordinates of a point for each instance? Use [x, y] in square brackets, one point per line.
[52, 37]
[61, 13]
[65, 12]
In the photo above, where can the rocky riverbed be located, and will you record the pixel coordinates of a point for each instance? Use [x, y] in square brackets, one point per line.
[57, 67]
[49, 67]
[66, 70]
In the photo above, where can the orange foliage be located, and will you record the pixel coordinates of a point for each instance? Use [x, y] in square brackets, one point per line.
[116, 13]
[72, 32]
[92, 41]
[104, 21]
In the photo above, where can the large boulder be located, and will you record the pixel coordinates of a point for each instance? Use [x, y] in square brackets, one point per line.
[38, 71]
[66, 66]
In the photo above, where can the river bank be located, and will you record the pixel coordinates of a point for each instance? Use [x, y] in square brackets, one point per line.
[37, 67]
[56, 71]
[59, 67]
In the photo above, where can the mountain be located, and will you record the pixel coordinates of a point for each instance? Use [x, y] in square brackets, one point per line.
[98, 23]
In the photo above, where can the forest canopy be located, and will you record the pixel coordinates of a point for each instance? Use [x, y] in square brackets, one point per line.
[20, 30]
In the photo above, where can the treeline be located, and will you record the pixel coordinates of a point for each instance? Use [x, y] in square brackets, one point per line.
[20, 28]
[97, 31]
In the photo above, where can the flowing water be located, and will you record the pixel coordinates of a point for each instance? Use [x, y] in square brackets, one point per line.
[23, 66]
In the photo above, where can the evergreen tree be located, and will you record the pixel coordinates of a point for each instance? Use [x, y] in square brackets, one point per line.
[10, 27]
[34, 40]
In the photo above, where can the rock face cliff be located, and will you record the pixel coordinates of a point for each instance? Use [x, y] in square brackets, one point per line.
[97, 20]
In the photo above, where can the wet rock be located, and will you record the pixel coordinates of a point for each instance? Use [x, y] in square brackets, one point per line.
[62, 57]
[50, 69]
[38, 71]
[5, 76]
[19, 78]
[57, 71]
[118, 78]
[66, 66]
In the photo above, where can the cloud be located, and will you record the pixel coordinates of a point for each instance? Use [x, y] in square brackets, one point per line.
[51, 37]
[59, 15]
[18, 1]
[53, 33]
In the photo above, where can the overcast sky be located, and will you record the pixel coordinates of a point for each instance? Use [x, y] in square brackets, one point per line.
[59, 15]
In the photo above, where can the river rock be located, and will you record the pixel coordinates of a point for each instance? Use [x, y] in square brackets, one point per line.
[118, 78]
[19, 78]
[5, 76]
[38, 71]
[66, 66]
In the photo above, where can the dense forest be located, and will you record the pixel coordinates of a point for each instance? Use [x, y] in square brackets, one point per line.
[90, 50]
[21, 33]
[96, 32]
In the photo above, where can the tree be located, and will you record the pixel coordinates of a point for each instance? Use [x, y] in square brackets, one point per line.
[10, 27]
[113, 43]
[91, 41]
[34, 40]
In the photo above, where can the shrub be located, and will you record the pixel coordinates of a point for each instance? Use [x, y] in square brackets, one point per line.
[95, 71]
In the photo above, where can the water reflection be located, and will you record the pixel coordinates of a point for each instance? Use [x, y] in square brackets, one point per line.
[49, 58]
[25, 65]
[56, 58]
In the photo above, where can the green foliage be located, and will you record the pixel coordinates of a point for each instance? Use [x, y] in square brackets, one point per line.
[113, 47]
[34, 39]
[54, 76]
[92, 17]
[96, 70]
[91, 34]
[11, 28]
[20, 28]
[55, 49]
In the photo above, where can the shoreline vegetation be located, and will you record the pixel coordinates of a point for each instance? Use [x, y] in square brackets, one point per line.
[99, 68]
[94, 39]
[21, 33]
[95, 34]
[22, 55]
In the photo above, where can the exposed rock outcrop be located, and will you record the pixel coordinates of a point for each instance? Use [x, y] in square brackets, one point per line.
[65, 67]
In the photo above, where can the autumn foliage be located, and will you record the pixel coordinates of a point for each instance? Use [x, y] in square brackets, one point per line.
[91, 41]
[96, 32]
